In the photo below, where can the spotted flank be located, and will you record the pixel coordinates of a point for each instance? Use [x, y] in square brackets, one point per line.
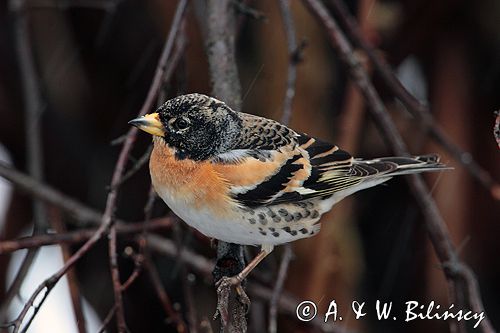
[286, 222]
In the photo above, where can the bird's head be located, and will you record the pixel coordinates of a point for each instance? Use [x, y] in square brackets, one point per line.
[196, 126]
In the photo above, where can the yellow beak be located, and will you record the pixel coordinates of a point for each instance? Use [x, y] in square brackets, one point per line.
[149, 123]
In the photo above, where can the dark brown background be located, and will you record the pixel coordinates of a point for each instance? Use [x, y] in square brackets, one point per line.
[95, 67]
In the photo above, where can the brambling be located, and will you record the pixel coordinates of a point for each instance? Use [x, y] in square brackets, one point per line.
[249, 180]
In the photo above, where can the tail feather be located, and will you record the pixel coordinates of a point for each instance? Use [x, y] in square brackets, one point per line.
[395, 166]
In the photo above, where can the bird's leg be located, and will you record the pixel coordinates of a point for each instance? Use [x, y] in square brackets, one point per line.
[238, 278]
[226, 282]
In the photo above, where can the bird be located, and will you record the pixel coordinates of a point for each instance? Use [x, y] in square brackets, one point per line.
[249, 180]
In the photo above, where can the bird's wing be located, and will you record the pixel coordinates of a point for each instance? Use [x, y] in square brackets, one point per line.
[273, 164]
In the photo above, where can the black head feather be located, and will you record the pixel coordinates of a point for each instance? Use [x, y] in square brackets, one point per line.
[198, 126]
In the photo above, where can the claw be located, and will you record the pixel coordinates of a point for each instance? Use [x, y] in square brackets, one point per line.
[223, 291]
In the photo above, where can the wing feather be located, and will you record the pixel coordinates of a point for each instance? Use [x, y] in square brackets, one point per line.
[273, 164]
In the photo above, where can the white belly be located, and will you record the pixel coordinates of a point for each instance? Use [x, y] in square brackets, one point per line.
[231, 230]
[236, 228]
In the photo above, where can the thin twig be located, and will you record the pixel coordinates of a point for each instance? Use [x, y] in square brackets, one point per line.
[81, 235]
[436, 227]
[201, 265]
[139, 257]
[496, 128]
[108, 217]
[414, 106]
[244, 9]
[138, 265]
[57, 223]
[34, 107]
[137, 166]
[293, 59]
[49, 195]
[14, 288]
[278, 287]
[115, 276]
[107, 319]
[173, 315]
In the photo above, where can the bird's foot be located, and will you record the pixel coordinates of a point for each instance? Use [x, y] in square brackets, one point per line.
[224, 286]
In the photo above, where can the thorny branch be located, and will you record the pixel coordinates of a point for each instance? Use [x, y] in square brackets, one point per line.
[438, 233]
[413, 105]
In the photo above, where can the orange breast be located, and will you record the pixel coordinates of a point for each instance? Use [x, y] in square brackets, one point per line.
[196, 183]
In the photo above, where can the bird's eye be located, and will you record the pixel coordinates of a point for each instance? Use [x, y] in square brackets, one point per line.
[181, 123]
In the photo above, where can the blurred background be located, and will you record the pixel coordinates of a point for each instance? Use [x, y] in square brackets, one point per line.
[94, 61]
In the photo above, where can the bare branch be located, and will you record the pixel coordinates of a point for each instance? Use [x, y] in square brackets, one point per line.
[293, 59]
[50, 195]
[34, 107]
[173, 315]
[436, 227]
[220, 48]
[108, 217]
[286, 304]
[107, 319]
[137, 166]
[414, 106]
[57, 223]
[78, 236]
[278, 287]
[496, 128]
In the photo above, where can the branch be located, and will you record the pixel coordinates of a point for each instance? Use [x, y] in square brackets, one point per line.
[278, 287]
[414, 106]
[496, 129]
[287, 303]
[50, 195]
[82, 235]
[108, 219]
[220, 48]
[436, 227]
[293, 59]
[172, 314]
[107, 319]
[34, 107]
[74, 290]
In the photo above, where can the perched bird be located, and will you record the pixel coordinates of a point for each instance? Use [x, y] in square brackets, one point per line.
[249, 180]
